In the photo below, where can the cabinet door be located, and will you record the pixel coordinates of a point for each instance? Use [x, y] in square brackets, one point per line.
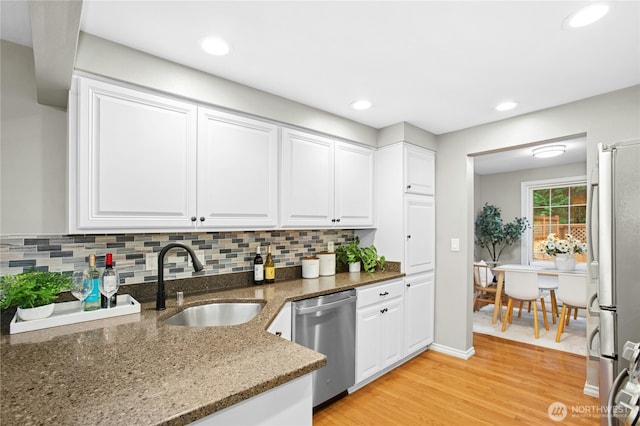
[391, 349]
[307, 198]
[419, 312]
[354, 185]
[237, 171]
[132, 165]
[420, 234]
[419, 170]
[281, 325]
[368, 341]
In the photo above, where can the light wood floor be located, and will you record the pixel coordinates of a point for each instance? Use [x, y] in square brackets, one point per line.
[504, 383]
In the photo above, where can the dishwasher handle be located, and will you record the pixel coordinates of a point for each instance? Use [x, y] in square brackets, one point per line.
[320, 308]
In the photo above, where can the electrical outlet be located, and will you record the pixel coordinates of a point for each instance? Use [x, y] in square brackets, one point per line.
[151, 261]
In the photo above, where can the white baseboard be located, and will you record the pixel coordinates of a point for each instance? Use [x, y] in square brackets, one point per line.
[591, 390]
[454, 352]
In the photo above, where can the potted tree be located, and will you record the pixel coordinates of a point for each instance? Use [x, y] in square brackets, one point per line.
[32, 292]
[494, 235]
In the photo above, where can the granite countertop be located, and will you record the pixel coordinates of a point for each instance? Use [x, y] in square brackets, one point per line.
[134, 369]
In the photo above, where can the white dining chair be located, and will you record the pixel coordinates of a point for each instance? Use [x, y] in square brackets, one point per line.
[572, 292]
[523, 286]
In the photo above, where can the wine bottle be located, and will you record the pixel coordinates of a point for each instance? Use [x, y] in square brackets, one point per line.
[258, 268]
[92, 302]
[110, 279]
[269, 268]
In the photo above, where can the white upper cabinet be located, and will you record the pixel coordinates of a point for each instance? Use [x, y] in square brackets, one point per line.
[406, 221]
[237, 171]
[144, 162]
[419, 171]
[307, 180]
[354, 174]
[132, 159]
[325, 183]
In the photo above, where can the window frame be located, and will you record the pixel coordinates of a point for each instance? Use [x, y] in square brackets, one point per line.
[526, 210]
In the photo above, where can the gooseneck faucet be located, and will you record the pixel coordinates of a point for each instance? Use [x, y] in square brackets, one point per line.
[161, 295]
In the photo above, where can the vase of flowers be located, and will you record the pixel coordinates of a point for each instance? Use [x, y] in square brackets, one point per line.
[562, 251]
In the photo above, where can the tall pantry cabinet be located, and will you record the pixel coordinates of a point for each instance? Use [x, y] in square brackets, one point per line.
[405, 183]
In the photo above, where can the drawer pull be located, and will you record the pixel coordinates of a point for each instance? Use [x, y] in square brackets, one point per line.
[279, 333]
[384, 294]
[383, 310]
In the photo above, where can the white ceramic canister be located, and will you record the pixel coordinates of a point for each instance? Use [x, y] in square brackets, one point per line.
[310, 267]
[327, 263]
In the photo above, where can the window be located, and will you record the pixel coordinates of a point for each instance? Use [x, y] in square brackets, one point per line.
[556, 206]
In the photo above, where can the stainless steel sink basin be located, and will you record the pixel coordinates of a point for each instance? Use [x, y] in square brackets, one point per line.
[216, 314]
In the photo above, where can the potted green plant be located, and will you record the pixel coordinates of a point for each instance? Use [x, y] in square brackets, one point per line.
[493, 234]
[353, 255]
[370, 259]
[32, 292]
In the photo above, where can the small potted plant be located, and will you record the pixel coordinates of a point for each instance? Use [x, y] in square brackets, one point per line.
[350, 255]
[32, 292]
[353, 255]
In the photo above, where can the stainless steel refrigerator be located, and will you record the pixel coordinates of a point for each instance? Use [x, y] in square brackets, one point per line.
[615, 260]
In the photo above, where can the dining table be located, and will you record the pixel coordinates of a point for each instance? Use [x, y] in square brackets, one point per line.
[544, 270]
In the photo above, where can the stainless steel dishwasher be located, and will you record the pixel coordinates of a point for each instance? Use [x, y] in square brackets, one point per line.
[327, 324]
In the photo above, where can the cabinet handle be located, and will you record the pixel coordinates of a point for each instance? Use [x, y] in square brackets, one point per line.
[333, 220]
[279, 333]
[201, 218]
[408, 237]
[384, 294]
[193, 218]
[338, 220]
[408, 285]
[383, 310]
[408, 186]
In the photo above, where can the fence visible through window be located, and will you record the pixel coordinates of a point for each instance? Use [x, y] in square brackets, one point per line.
[561, 211]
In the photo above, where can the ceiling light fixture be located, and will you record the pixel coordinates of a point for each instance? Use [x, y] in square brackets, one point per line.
[215, 46]
[587, 15]
[506, 106]
[361, 104]
[549, 151]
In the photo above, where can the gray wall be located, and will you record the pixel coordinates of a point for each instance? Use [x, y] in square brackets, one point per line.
[503, 190]
[33, 151]
[605, 118]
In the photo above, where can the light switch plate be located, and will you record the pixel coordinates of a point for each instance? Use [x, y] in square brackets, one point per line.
[455, 244]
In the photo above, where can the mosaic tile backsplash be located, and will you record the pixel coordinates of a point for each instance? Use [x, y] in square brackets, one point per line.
[219, 252]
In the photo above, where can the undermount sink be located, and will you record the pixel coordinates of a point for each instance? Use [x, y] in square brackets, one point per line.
[216, 314]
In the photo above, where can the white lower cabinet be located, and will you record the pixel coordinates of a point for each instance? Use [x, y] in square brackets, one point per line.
[418, 312]
[379, 324]
[281, 325]
[287, 404]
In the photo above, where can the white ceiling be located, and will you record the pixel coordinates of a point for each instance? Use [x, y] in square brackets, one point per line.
[439, 65]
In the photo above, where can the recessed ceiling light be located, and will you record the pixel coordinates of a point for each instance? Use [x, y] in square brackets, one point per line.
[549, 151]
[215, 46]
[361, 104]
[506, 106]
[587, 15]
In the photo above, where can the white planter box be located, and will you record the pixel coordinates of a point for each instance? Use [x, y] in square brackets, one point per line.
[71, 313]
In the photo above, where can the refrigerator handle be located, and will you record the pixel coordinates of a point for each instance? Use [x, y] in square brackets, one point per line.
[593, 311]
[615, 386]
[590, 233]
[593, 355]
